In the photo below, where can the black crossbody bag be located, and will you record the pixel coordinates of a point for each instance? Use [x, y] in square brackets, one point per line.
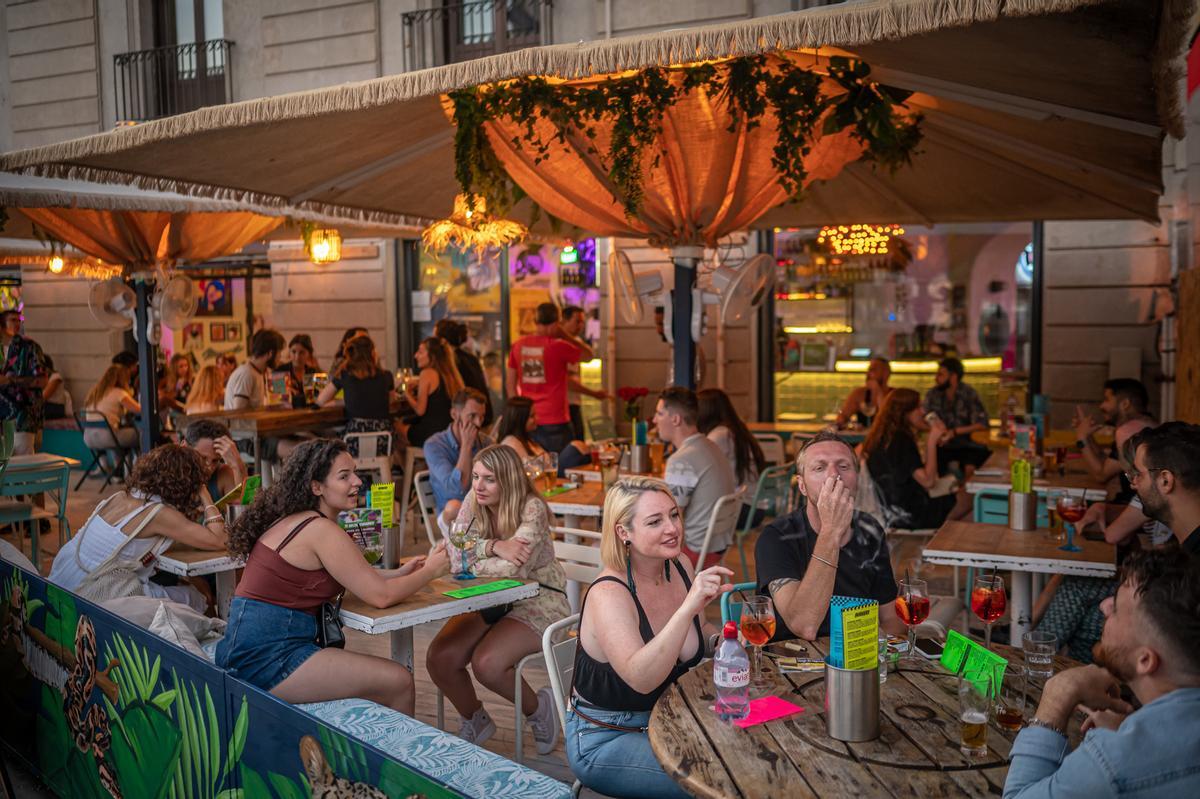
[329, 625]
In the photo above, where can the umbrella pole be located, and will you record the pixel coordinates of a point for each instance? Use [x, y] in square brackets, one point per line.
[685, 260]
[147, 363]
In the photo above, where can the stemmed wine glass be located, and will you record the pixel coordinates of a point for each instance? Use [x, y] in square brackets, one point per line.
[912, 606]
[463, 537]
[1071, 509]
[988, 602]
[758, 627]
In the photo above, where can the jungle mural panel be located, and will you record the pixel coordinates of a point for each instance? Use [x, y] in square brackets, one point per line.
[102, 709]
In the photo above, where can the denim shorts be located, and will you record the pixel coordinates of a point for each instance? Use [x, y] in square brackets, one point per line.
[614, 763]
[265, 643]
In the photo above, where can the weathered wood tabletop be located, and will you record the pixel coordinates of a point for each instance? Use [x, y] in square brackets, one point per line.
[586, 500]
[186, 561]
[917, 753]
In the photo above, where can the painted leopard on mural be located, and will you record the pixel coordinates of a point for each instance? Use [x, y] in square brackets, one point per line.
[89, 725]
[325, 785]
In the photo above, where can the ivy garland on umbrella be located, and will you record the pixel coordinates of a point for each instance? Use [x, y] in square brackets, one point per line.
[634, 106]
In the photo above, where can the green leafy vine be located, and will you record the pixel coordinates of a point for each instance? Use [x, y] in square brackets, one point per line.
[632, 107]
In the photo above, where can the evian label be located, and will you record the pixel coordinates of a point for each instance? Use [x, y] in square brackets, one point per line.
[725, 677]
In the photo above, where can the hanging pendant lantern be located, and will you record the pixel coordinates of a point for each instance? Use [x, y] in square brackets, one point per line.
[323, 245]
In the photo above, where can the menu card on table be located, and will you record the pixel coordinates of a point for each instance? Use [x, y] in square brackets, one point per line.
[381, 497]
[365, 526]
[962, 655]
[853, 633]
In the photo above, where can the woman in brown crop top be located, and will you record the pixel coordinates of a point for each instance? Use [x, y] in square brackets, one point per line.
[297, 558]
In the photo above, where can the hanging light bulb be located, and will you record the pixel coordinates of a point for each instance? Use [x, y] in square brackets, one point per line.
[56, 264]
[325, 246]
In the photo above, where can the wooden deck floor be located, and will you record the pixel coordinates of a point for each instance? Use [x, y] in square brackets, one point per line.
[905, 553]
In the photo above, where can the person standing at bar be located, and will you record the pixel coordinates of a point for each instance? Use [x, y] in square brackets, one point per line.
[538, 369]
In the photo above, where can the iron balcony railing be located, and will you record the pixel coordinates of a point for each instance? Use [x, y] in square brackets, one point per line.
[164, 81]
[461, 31]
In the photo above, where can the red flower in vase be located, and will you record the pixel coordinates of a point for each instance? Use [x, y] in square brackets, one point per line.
[632, 397]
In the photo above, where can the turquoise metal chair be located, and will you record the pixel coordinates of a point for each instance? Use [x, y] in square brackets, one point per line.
[732, 611]
[54, 479]
[770, 494]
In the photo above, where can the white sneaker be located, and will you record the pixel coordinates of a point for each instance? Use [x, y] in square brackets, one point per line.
[544, 723]
[478, 728]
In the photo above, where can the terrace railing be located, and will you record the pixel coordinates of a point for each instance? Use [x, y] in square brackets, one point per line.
[164, 81]
[461, 31]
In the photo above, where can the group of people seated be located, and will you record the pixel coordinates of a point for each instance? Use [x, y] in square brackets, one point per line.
[643, 622]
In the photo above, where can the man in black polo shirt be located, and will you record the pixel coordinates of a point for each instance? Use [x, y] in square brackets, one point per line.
[1166, 477]
[825, 548]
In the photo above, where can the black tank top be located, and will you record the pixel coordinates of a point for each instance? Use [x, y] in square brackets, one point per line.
[598, 683]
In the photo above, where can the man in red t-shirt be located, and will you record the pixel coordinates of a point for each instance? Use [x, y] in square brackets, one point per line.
[538, 369]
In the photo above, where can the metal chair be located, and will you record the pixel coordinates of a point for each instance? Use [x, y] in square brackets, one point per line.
[723, 521]
[602, 428]
[123, 456]
[53, 479]
[404, 497]
[772, 447]
[560, 666]
[582, 564]
[771, 492]
[731, 611]
[368, 459]
[426, 503]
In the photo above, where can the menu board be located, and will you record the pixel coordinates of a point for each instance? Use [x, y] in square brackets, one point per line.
[853, 633]
[365, 526]
[963, 655]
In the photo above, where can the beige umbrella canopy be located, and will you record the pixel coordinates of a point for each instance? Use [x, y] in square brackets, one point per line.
[1032, 109]
[139, 229]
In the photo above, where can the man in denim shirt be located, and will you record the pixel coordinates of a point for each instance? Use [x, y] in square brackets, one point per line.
[1151, 642]
[449, 454]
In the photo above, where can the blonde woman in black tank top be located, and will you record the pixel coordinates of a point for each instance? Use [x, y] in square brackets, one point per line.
[642, 627]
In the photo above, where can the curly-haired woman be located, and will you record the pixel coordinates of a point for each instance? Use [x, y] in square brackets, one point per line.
[514, 541]
[297, 558]
[163, 496]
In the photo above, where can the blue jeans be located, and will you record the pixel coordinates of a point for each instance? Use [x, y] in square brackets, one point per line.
[619, 764]
[265, 643]
[553, 437]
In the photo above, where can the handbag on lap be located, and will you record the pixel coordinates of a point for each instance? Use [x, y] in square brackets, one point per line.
[116, 576]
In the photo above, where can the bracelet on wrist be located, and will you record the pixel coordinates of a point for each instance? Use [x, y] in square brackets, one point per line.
[827, 563]
[211, 519]
[1036, 722]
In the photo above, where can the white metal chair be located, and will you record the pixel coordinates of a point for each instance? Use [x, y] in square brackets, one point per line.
[722, 522]
[423, 484]
[560, 666]
[411, 456]
[366, 444]
[582, 564]
[772, 447]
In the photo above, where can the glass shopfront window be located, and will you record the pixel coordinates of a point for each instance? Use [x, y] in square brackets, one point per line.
[914, 295]
[466, 286]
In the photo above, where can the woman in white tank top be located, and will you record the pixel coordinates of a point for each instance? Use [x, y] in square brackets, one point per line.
[165, 493]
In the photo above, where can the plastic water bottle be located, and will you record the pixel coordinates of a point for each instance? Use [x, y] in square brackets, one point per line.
[731, 675]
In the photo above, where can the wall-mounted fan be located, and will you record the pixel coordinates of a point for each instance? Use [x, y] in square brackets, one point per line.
[112, 303]
[176, 301]
[633, 288]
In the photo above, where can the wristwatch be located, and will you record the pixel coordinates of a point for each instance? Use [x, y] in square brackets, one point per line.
[1036, 722]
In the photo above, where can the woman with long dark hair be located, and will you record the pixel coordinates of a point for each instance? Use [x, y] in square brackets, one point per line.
[303, 363]
[902, 476]
[718, 420]
[517, 424]
[514, 541]
[297, 557]
[367, 389]
[430, 393]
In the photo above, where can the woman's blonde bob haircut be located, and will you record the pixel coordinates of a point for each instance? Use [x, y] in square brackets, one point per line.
[514, 488]
[619, 506]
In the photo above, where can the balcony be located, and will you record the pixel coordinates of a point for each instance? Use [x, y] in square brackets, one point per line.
[163, 81]
[461, 31]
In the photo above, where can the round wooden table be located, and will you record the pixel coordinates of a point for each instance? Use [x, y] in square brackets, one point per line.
[916, 753]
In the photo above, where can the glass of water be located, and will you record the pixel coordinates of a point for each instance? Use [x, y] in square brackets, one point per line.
[1039, 653]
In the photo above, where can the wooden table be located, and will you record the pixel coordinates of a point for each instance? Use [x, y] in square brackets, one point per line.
[916, 754]
[996, 440]
[255, 425]
[186, 561]
[590, 473]
[1025, 553]
[428, 604]
[1076, 480]
[802, 431]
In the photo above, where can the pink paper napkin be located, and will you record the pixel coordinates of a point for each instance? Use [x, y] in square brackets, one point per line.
[767, 709]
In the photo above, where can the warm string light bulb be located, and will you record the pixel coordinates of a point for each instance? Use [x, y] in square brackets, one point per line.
[56, 264]
[859, 239]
